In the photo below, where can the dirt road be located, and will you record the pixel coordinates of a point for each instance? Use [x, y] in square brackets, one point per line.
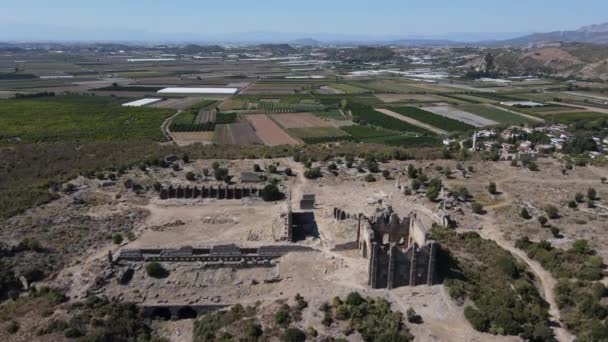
[411, 121]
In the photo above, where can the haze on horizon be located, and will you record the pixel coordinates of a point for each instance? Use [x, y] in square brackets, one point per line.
[337, 19]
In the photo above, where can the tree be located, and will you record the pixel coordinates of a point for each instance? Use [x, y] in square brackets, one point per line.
[415, 184]
[386, 174]
[186, 159]
[282, 317]
[288, 172]
[579, 197]
[370, 178]
[271, 193]
[532, 166]
[489, 60]
[215, 165]
[256, 168]
[542, 220]
[572, 204]
[332, 167]
[492, 188]
[354, 299]
[413, 317]
[524, 214]
[272, 169]
[411, 171]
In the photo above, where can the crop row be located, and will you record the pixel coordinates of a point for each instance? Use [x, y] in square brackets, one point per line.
[367, 115]
[434, 120]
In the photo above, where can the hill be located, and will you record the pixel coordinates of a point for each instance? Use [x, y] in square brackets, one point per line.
[583, 61]
[595, 34]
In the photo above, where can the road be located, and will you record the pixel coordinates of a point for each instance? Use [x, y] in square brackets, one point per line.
[166, 124]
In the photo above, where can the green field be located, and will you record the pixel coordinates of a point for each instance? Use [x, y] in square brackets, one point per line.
[78, 119]
[330, 114]
[316, 132]
[366, 132]
[575, 116]
[434, 120]
[367, 115]
[405, 141]
[348, 88]
[495, 114]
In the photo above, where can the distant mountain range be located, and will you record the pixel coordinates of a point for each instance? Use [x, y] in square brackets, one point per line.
[596, 34]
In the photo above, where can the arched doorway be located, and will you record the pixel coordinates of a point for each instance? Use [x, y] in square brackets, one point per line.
[186, 312]
[161, 313]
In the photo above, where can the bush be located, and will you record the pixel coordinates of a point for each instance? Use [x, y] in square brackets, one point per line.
[271, 193]
[591, 194]
[579, 197]
[542, 220]
[369, 178]
[354, 299]
[155, 270]
[552, 212]
[288, 172]
[492, 188]
[282, 317]
[272, 168]
[332, 167]
[294, 335]
[220, 173]
[313, 173]
[12, 327]
[477, 208]
[524, 214]
[190, 176]
[413, 317]
[72, 333]
[117, 239]
[256, 168]
[342, 312]
[572, 204]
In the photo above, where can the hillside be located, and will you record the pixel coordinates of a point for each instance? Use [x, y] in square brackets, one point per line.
[584, 61]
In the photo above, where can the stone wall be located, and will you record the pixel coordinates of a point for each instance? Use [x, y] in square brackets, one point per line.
[217, 192]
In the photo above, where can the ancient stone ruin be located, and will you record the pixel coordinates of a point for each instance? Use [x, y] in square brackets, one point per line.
[398, 249]
[219, 192]
[219, 256]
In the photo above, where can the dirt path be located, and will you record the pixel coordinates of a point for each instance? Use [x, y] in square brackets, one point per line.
[165, 126]
[411, 121]
[534, 118]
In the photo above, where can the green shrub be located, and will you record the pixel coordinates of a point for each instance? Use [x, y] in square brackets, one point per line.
[156, 270]
[271, 193]
[282, 317]
[117, 239]
[294, 335]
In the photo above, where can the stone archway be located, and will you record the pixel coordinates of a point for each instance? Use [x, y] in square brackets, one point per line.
[186, 312]
[161, 313]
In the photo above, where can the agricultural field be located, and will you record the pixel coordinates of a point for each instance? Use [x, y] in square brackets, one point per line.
[236, 134]
[575, 116]
[460, 115]
[366, 132]
[78, 119]
[391, 98]
[367, 115]
[348, 88]
[269, 132]
[496, 114]
[312, 135]
[405, 141]
[299, 120]
[331, 114]
[438, 121]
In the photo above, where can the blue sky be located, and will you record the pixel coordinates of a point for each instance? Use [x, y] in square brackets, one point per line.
[354, 17]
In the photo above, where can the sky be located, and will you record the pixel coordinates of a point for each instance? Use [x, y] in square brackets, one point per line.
[130, 19]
